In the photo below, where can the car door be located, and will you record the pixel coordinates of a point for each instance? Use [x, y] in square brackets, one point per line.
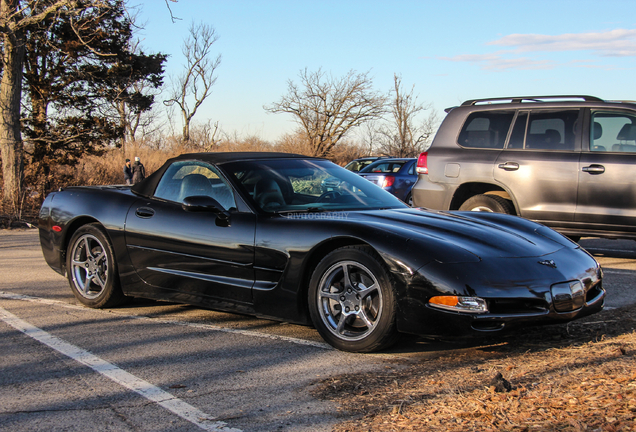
[468, 161]
[607, 184]
[196, 253]
[539, 166]
[405, 180]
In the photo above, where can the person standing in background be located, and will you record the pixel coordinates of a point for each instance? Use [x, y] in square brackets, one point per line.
[138, 171]
[128, 175]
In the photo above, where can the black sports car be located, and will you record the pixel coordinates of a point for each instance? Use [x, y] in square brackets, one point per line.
[254, 233]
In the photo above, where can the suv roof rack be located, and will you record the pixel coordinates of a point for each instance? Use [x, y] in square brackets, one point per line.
[522, 99]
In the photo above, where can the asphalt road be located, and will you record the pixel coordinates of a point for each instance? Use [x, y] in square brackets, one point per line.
[154, 366]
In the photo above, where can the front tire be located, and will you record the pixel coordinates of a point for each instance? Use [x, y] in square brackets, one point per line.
[488, 203]
[352, 301]
[91, 268]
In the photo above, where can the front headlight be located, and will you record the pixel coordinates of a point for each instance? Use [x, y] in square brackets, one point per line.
[459, 304]
[568, 296]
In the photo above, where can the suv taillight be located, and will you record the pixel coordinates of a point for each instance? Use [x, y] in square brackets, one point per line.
[422, 163]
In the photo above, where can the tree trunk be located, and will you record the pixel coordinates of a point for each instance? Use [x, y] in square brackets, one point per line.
[186, 129]
[10, 94]
[123, 122]
[41, 151]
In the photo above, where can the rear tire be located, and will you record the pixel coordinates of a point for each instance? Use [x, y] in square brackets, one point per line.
[409, 200]
[352, 301]
[92, 270]
[488, 203]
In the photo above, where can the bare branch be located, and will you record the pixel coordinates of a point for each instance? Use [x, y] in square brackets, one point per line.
[172, 17]
[194, 85]
[401, 137]
[327, 109]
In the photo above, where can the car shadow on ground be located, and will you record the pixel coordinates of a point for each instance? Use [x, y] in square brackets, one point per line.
[607, 323]
[610, 322]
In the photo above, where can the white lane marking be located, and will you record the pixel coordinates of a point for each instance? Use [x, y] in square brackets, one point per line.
[213, 327]
[120, 376]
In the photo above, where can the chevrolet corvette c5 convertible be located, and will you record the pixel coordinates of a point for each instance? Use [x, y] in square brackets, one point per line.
[255, 233]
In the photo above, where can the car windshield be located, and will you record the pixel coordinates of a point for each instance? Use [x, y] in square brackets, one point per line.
[384, 167]
[306, 185]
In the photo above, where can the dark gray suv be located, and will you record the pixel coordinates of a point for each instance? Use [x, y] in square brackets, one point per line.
[568, 162]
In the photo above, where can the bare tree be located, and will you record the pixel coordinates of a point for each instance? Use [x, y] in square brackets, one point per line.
[327, 108]
[205, 137]
[195, 83]
[402, 137]
[370, 137]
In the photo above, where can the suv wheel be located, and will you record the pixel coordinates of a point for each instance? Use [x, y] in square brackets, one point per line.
[488, 203]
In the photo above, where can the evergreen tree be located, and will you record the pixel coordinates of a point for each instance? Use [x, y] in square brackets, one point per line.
[80, 77]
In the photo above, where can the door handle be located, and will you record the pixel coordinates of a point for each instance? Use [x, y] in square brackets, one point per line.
[594, 169]
[509, 166]
[145, 212]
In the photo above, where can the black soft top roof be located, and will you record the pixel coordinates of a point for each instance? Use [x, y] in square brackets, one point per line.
[147, 186]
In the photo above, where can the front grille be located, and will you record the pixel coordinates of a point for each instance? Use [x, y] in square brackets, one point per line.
[516, 306]
[594, 292]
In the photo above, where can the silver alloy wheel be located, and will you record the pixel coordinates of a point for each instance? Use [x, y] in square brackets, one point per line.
[89, 266]
[482, 209]
[349, 300]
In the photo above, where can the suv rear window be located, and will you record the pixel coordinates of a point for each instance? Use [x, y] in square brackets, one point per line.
[486, 129]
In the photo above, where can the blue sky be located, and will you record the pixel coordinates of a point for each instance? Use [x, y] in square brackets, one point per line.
[449, 50]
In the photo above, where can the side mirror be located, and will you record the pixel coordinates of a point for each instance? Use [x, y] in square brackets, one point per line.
[204, 203]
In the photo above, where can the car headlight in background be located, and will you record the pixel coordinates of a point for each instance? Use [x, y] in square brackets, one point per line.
[459, 304]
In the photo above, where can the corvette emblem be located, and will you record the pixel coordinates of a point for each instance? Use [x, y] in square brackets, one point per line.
[549, 263]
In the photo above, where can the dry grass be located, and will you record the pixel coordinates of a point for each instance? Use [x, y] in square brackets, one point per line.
[108, 168]
[577, 377]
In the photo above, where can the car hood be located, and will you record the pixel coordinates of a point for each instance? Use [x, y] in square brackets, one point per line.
[484, 235]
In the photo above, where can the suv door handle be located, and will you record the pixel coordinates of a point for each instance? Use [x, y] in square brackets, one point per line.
[594, 169]
[509, 166]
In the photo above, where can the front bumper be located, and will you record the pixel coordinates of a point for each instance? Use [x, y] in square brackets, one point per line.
[519, 292]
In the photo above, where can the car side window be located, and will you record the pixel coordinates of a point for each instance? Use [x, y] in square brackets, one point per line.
[189, 178]
[544, 130]
[613, 132]
[486, 129]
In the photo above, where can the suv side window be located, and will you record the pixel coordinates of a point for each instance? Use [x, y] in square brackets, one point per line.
[544, 130]
[613, 132]
[487, 130]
